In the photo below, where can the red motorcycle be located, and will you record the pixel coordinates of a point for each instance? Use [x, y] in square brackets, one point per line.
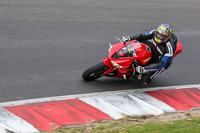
[122, 61]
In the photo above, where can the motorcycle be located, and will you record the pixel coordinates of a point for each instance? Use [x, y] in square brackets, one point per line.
[122, 60]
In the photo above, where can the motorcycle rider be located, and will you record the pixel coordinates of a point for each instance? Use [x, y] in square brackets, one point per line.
[163, 45]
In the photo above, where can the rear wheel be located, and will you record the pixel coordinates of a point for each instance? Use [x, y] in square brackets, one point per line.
[94, 72]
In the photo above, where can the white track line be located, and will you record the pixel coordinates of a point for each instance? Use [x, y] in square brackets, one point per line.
[57, 98]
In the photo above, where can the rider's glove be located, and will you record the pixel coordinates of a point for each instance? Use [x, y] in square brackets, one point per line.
[141, 70]
[125, 39]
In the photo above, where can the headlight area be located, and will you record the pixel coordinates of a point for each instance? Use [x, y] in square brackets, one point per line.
[116, 65]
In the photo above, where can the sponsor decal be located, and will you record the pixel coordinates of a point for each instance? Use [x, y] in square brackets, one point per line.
[147, 59]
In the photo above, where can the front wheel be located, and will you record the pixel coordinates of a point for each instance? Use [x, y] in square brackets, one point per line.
[94, 72]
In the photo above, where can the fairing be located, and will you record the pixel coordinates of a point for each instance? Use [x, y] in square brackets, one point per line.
[133, 49]
[122, 58]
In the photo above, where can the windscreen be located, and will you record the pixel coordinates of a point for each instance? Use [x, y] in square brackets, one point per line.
[126, 51]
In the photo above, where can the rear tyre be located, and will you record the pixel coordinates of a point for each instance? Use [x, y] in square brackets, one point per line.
[94, 72]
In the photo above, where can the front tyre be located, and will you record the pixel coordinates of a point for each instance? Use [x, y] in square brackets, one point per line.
[94, 72]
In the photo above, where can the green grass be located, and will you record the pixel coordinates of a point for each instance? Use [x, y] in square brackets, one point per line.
[188, 125]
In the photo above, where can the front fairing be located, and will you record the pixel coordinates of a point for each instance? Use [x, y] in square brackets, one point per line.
[122, 58]
[120, 50]
[119, 67]
[132, 49]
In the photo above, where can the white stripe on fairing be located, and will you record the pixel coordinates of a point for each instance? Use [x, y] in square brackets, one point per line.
[48, 99]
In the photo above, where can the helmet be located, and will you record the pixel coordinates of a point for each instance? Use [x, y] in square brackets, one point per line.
[163, 33]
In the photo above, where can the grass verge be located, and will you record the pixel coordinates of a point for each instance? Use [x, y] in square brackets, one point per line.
[171, 123]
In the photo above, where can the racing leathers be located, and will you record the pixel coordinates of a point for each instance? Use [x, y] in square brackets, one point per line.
[163, 54]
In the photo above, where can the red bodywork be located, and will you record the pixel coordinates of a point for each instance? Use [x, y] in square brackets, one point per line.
[122, 66]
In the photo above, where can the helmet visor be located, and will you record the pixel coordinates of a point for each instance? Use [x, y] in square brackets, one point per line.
[160, 38]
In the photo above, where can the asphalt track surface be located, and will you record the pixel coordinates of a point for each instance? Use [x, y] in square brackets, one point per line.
[45, 45]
